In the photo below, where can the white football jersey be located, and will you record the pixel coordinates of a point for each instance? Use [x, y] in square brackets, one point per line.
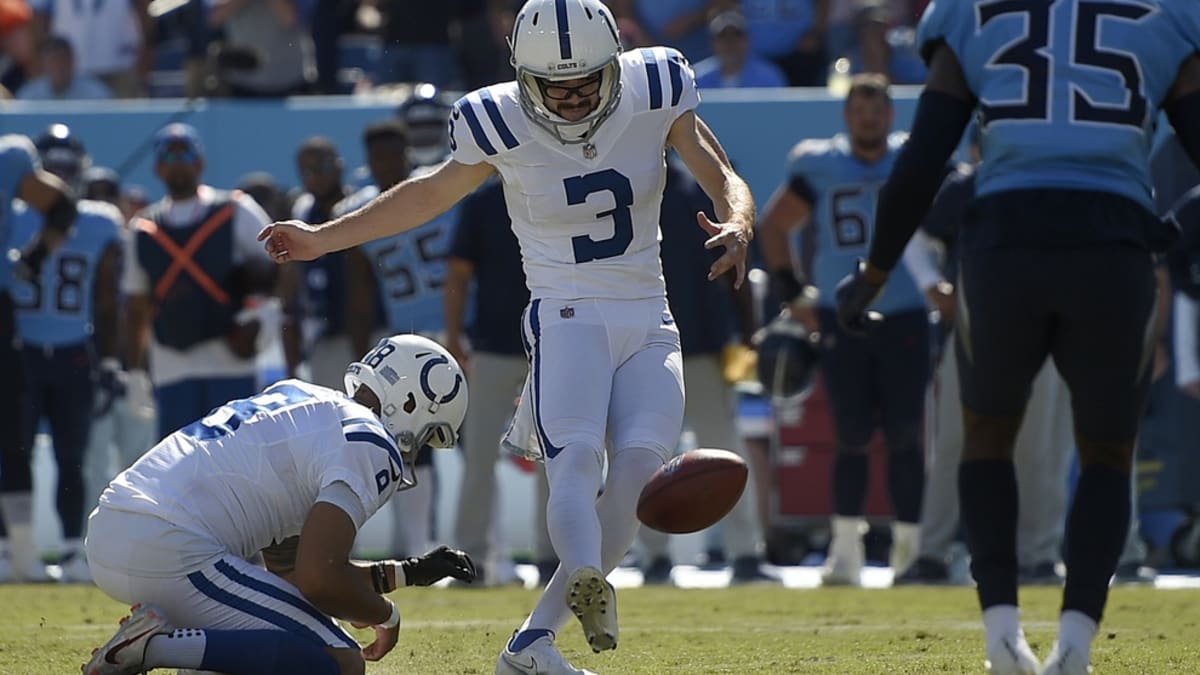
[586, 215]
[249, 472]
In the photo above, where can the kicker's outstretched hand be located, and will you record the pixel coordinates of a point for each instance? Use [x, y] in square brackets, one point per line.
[291, 240]
[736, 242]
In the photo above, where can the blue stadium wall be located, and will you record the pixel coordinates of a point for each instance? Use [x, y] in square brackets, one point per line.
[757, 127]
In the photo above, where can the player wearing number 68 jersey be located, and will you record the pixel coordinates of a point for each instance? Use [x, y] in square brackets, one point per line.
[67, 319]
[1055, 261]
[578, 141]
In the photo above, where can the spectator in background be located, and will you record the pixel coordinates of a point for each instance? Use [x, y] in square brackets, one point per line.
[417, 44]
[325, 344]
[189, 268]
[59, 79]
[185, 26]
[18, 53]
[262, 187]
[482, 52]
[268, 51]
[111, 39]
[792, 34]
[133, 200]
[732, 64]
[709, 320]
[682, 24]
[123, 420]
[330, 20]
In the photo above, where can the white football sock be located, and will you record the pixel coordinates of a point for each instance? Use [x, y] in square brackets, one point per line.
[628, 473]
[575, 476]
[17, 508]
[22, 551]
[412, 510]
[183, 648]
[1001, 621]
[1077, 630]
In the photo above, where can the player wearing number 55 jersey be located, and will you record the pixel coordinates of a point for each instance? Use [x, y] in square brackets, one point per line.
[293, 471]
[875, 381]
[403, 273]
[1055, 261]
[578, 141]
[66, 326]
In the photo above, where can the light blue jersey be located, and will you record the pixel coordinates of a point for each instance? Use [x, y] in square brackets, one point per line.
[18, 159]
[410, 269]
[1068, 91]
[1185, 16]
[58, 310]
[843, 191]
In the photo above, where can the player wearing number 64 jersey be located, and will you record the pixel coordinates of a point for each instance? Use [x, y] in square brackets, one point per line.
[294, 472]
[578, 141]
[875, 382]
[1055, 261]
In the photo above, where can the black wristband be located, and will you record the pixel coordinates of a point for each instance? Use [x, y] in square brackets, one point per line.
[785, 286]
[379, 578]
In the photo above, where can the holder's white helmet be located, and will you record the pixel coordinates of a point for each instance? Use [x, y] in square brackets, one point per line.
[421, 389]
[555, 40]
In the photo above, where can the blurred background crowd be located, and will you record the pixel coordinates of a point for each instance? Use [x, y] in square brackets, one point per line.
[66, 49]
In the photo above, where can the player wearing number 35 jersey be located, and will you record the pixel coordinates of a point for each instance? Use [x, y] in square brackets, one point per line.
[578, 141]
[1056, 261]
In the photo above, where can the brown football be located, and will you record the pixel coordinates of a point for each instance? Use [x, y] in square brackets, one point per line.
[692, 491]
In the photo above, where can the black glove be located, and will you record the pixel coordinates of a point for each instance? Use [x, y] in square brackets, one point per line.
[110, 385]
[436, 565]
[854, 294]
[29, 265]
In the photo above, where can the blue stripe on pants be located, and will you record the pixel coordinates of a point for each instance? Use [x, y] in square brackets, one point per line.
[245, 605]
[282, 595]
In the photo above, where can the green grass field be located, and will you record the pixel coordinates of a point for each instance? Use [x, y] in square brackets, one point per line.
[762, 629]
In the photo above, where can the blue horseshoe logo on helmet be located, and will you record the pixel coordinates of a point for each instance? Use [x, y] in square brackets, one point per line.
[428, 390]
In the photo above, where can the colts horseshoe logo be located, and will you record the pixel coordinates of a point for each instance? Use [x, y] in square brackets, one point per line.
[428, 390]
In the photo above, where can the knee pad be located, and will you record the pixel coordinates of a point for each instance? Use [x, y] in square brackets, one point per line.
[986, 437]
[1115, 454]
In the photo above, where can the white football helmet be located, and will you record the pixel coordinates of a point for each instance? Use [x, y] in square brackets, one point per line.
[421, 389]
[555, 40]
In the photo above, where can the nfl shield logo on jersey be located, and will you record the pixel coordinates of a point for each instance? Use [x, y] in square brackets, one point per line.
[589, 151]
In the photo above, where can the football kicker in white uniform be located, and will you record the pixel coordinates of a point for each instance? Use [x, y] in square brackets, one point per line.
[579, 141]
[292, 472]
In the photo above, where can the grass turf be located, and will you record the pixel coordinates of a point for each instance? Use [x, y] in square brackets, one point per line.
[757, 629]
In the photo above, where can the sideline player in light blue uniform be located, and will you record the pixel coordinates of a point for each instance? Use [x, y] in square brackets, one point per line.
[21, 177]
[66, 324]
[1056, 261]
[876, 381]
[402, 275]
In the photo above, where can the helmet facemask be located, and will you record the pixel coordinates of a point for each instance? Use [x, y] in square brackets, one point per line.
[537, 90]
[554, 41]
